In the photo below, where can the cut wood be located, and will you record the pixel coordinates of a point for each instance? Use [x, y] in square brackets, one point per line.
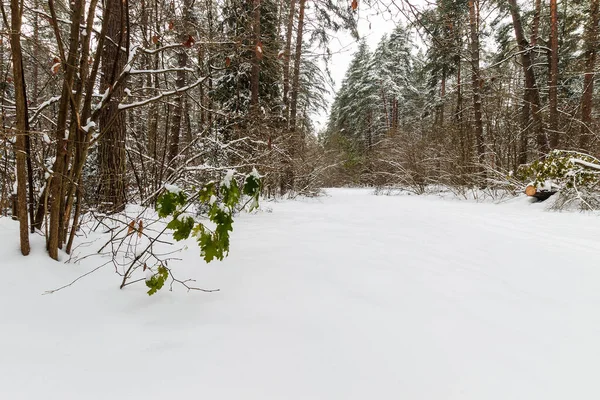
[530, 190]
[541, 195]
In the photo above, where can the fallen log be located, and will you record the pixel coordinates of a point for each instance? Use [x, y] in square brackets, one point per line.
[541, 195]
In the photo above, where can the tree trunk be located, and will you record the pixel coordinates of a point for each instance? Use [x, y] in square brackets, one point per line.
[591, 42]
[476, 82]
[255, 75]
[21, 124]
[535, 29]
[298, 59]
[442, 96]
[287, 56]
[524, 132]
[59, 168]
[111, 151]
[553, 76]
[180, 82]
[532, 94]
[458, 113]
[175, 135]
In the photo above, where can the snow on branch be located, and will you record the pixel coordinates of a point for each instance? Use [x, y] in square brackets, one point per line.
[162, 95]
[586, 164]
[42, 106]
[159, 71]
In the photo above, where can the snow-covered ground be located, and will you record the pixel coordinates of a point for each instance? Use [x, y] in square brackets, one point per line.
[351, 296]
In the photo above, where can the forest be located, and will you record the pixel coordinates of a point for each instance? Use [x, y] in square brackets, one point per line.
[108, 102]
[474, 93]
[199, 199]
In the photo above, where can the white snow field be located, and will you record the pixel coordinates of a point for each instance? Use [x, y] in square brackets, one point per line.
[350, 296]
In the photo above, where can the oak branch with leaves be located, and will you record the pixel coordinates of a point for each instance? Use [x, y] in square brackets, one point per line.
[222, 200]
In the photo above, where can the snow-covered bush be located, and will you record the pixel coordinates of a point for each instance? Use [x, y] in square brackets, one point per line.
[575, 175]
[564, 169]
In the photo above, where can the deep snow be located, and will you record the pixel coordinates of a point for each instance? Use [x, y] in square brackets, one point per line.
[351, 296]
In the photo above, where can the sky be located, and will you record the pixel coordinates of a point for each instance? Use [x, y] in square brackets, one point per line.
[373, 23]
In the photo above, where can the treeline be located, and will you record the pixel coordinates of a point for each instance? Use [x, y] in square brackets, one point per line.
[104, 102]
[499, 85]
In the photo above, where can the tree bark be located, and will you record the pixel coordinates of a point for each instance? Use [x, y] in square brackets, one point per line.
[180, 82]
[532, 94]
[287, 56]
[442, 96]
[591, 42]
[111, 151]
[59, 168]
[21, 124]
[553, 76]
[255, 74]
[524, 132]
[298, 59]
[476, 83]
[535, 29]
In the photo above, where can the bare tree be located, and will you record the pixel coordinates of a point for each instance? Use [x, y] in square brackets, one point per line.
[16, 8]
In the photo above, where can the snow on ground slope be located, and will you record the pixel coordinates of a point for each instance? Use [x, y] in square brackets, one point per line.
[351, 296]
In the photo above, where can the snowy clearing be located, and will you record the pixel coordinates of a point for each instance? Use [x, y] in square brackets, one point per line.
[351, 296]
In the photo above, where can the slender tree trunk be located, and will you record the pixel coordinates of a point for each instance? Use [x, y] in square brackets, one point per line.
[111, 151]
[59, 168]
[458, 113]
[255, 75]
[287, 56]
[297, 61]
[535, 29]
[180, 82]
[553, 78]
[152, 141]
[591, 43]
[532, 94]
[84, 85]
[21, 123]
[178, 110]
[33, 102]
[77, 148]
[385, 110]
[476, 82]
[442, 96]
[524, 131]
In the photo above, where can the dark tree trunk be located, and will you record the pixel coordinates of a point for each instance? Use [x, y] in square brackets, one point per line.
[60, 165]
[21, 124]
[553, 76]
[476, 83]
[255, 75]
[297, 61]
[535, 29]
[111, 152]
[442, 96]
[532, 94]
[591, 43]
[287, 56]
[178, 110]
[524, 131]
[180, 82]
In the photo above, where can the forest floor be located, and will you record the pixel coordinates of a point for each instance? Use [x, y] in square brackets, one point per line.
[348, 296]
